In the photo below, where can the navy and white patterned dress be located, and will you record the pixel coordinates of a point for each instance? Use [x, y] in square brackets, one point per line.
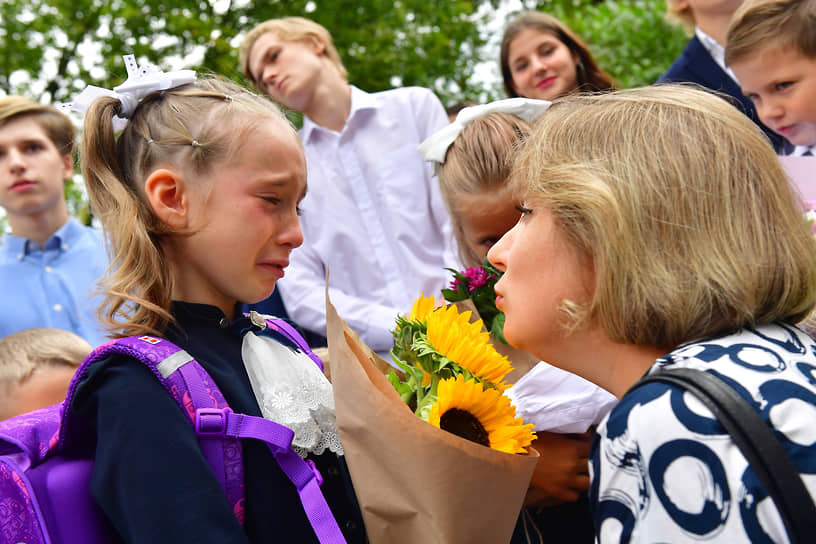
[664, 470]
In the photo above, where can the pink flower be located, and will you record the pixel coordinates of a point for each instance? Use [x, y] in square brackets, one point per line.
[477, 276]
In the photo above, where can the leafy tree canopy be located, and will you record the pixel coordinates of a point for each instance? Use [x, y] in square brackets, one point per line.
[52, 49]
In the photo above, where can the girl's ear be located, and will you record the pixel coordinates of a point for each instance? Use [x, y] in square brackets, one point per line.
[166, 194]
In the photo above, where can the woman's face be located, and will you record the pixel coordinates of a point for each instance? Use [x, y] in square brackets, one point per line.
[541, 66]
[541, 268]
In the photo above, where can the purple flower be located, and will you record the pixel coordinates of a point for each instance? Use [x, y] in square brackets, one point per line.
[477, 276]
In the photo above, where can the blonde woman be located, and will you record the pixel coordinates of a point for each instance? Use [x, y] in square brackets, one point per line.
[659, 230]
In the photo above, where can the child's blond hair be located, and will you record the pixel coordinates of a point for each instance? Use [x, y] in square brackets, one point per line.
[762, 25]
[25, 352]
[289, 29]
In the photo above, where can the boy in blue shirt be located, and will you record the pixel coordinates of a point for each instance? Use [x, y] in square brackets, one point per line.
[771, 47]
[49, 262]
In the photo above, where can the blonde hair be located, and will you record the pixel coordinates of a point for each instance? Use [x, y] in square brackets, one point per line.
[681, 14]
[478, 162]
[196, 126]
[683, 208]
[55, 124]
[766, 24]
[289, 29]
[24, 352]
[588, 75]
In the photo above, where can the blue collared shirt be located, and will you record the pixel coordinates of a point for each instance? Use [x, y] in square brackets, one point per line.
[53, 286]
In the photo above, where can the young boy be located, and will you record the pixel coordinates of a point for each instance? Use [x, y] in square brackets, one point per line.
[49, 263]
[702, 61]
[771, 47]
[36, 366]
[373, 217]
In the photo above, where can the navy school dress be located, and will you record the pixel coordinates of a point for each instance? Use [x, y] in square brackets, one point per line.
[150, 477]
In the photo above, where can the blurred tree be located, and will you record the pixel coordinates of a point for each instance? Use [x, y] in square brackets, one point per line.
[52, 49]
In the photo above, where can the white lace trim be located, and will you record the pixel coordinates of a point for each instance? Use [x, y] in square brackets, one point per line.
[291, 390]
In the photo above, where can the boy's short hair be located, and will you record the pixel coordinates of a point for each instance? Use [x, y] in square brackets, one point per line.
[289, 29]
[57, 126]
[760, 25]
[23, 352]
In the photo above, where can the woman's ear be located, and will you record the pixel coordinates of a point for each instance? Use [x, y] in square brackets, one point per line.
[167, 196]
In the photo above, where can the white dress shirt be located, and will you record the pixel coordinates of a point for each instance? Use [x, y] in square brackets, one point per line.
[373, 217]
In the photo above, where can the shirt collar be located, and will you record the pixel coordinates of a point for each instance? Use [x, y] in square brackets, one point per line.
[802, 150]
[360, 101]
[714, 49]
[65, 237]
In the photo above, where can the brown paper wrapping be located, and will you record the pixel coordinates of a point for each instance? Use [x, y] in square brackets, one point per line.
[416, 483]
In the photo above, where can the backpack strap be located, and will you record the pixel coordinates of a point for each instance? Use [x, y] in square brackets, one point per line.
[192, 389]
[756, 441]
[219, 429]
[282, 327]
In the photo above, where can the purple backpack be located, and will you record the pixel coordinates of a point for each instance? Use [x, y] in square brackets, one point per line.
[45, 497]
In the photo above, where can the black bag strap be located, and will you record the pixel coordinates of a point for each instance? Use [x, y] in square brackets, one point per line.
[755, 439]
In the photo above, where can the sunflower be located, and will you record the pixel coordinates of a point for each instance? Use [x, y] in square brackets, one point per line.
[421, 308]
[454, 337]
[485, 416]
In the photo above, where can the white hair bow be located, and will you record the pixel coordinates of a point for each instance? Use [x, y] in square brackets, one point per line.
[141, 81]
[435, 147]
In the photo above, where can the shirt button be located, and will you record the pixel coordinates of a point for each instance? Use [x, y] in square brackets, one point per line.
[64, 246]
[57, 307]
[49, 269]
[351, 525]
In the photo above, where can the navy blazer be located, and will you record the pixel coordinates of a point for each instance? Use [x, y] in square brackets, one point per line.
[696, 65]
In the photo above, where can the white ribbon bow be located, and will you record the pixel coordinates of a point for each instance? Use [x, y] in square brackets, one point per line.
[435, 147]
[141, 81]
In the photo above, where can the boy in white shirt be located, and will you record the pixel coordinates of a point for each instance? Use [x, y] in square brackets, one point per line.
[373, 217]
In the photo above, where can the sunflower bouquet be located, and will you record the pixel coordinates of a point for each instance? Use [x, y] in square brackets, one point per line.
[417, 482]
[454, 377]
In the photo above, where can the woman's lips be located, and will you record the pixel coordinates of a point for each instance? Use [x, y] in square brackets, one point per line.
[546, 82]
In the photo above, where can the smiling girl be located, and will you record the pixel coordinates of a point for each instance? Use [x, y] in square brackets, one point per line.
[542, 58]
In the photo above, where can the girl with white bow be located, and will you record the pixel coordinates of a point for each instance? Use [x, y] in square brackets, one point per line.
[199, 198]
[472, 157]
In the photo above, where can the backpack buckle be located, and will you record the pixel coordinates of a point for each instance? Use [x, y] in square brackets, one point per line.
[317, 475]
[211, 422]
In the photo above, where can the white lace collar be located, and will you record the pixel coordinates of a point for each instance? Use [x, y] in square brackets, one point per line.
[291, 390]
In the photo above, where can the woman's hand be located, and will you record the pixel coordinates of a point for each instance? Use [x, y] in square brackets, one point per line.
[562, 471]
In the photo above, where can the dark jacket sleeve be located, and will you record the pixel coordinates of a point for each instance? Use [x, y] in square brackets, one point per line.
[150, 477]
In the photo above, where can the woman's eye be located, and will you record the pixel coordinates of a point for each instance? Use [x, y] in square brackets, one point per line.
[523, 210]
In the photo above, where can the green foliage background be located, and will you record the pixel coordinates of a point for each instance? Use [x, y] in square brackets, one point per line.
[52, 49]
